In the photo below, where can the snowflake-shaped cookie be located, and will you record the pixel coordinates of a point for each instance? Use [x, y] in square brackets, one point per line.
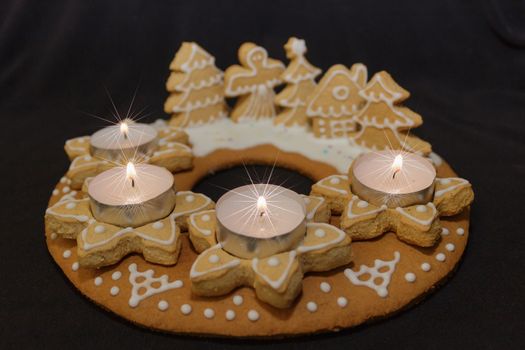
[100, 244]
[277, 279]
[172, 153]
[416, 224]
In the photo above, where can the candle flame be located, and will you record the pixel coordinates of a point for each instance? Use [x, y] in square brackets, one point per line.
[124, 128]
[131, 173]
[261, 205]
[397, 165]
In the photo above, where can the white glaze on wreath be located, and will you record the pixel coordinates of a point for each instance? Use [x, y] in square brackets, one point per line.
[340, 236]
[203, 231]
[460, 182]
[351, 215]
[427, 222]
[230, 264]
[134, 274]
[278, 283]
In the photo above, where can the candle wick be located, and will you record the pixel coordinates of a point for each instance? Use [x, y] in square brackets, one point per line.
[125, 135]
[394, 175]
[132, 182]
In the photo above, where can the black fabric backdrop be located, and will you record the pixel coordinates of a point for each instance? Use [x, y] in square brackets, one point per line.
[462, 61]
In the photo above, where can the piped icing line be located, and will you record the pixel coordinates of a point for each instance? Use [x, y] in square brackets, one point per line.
[212, 80]
[352, 215]
[134, 274]
[88, 246]
[206, 203]
[340, 236]
[461, 182]
[381, 289]
[310, 215]
[70, 142]
[427, 222]
[329, 178]
[203, 231]
[75, 163]
[176, 147]
[189, 107]
[80, 218]
[230, 264]
[278, 283]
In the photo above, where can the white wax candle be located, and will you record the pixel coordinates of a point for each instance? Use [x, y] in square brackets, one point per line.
[123, 136]
[260, 211]
[130, 185]
[394, 172]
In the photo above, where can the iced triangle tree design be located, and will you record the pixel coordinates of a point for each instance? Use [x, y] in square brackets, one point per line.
[195, 86]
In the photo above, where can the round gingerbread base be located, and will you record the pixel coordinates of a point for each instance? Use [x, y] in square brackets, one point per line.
[329, 301]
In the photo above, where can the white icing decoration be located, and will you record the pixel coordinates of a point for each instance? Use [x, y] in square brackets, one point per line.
[425, 267]
[445, 231]
[320, 200]
[205, 218]
[441, 257]
[238, 300]
[427, 222]
[362, 204]
[55, 192]
[163, 305]
[115, 276]
[98, 281]
[311, 306]
[460, 182]
[450, 247]
[421, 208]
[53, 236]
[253, 315]
[204, 232]
[331, 179]
[275, 284]
[320, 233]
[325, 287]
[226, 134]
[342, 302]
[460, 231]
[213, 259]
[351, 215]
[444, 181]
[230, 315]
[436, 159]
[114, 290]
[341, 92]
[273, 261]
[410, 277]
[80, 218]
[306, 199]
[75, 266]
[194, 273]
[209, 313]
[335, 180]
[158, 225]
[340, 236]
[66, 254]
[169, 240]
[136, 298]
[207, 201]
[190, 198]
[100, 229]
[66, 189]
[382, 288]
[185, 309]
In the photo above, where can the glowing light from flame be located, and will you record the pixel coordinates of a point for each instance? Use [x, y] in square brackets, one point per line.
[397, 165]
[261, 205]
[131, 173]
[124, 128]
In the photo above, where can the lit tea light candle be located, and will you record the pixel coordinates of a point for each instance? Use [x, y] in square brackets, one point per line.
[393, 178]
[124, 141]
[260, 220]
[133, 195]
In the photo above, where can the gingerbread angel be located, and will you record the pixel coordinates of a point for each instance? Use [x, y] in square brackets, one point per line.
[300, 78]
[253, 82]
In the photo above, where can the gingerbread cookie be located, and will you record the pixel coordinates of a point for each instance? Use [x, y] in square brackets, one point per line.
[196, 88]
[415, 224]
[335, 101]
[300, 78]
[101, 244]
[170, 151]
[253, 82]
[383, 122]
[277, 279]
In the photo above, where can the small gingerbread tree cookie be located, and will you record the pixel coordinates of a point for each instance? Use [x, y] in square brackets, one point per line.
[300, 78]
[195, 86]
[384, 124]
[335, 100]
[253, 82]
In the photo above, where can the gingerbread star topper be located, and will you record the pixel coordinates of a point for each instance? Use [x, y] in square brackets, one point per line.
[169, 150]
[101, 244]
[415, 224]
[277, 279]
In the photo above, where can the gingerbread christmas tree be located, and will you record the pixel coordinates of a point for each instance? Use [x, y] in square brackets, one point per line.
[300, 78]
[383, 122]
[195, 86]
[253, 82]
[335, 100]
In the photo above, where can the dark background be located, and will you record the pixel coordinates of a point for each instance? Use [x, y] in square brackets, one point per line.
[463, 61]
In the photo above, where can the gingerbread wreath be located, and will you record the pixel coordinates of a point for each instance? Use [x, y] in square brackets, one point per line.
[369, 240]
